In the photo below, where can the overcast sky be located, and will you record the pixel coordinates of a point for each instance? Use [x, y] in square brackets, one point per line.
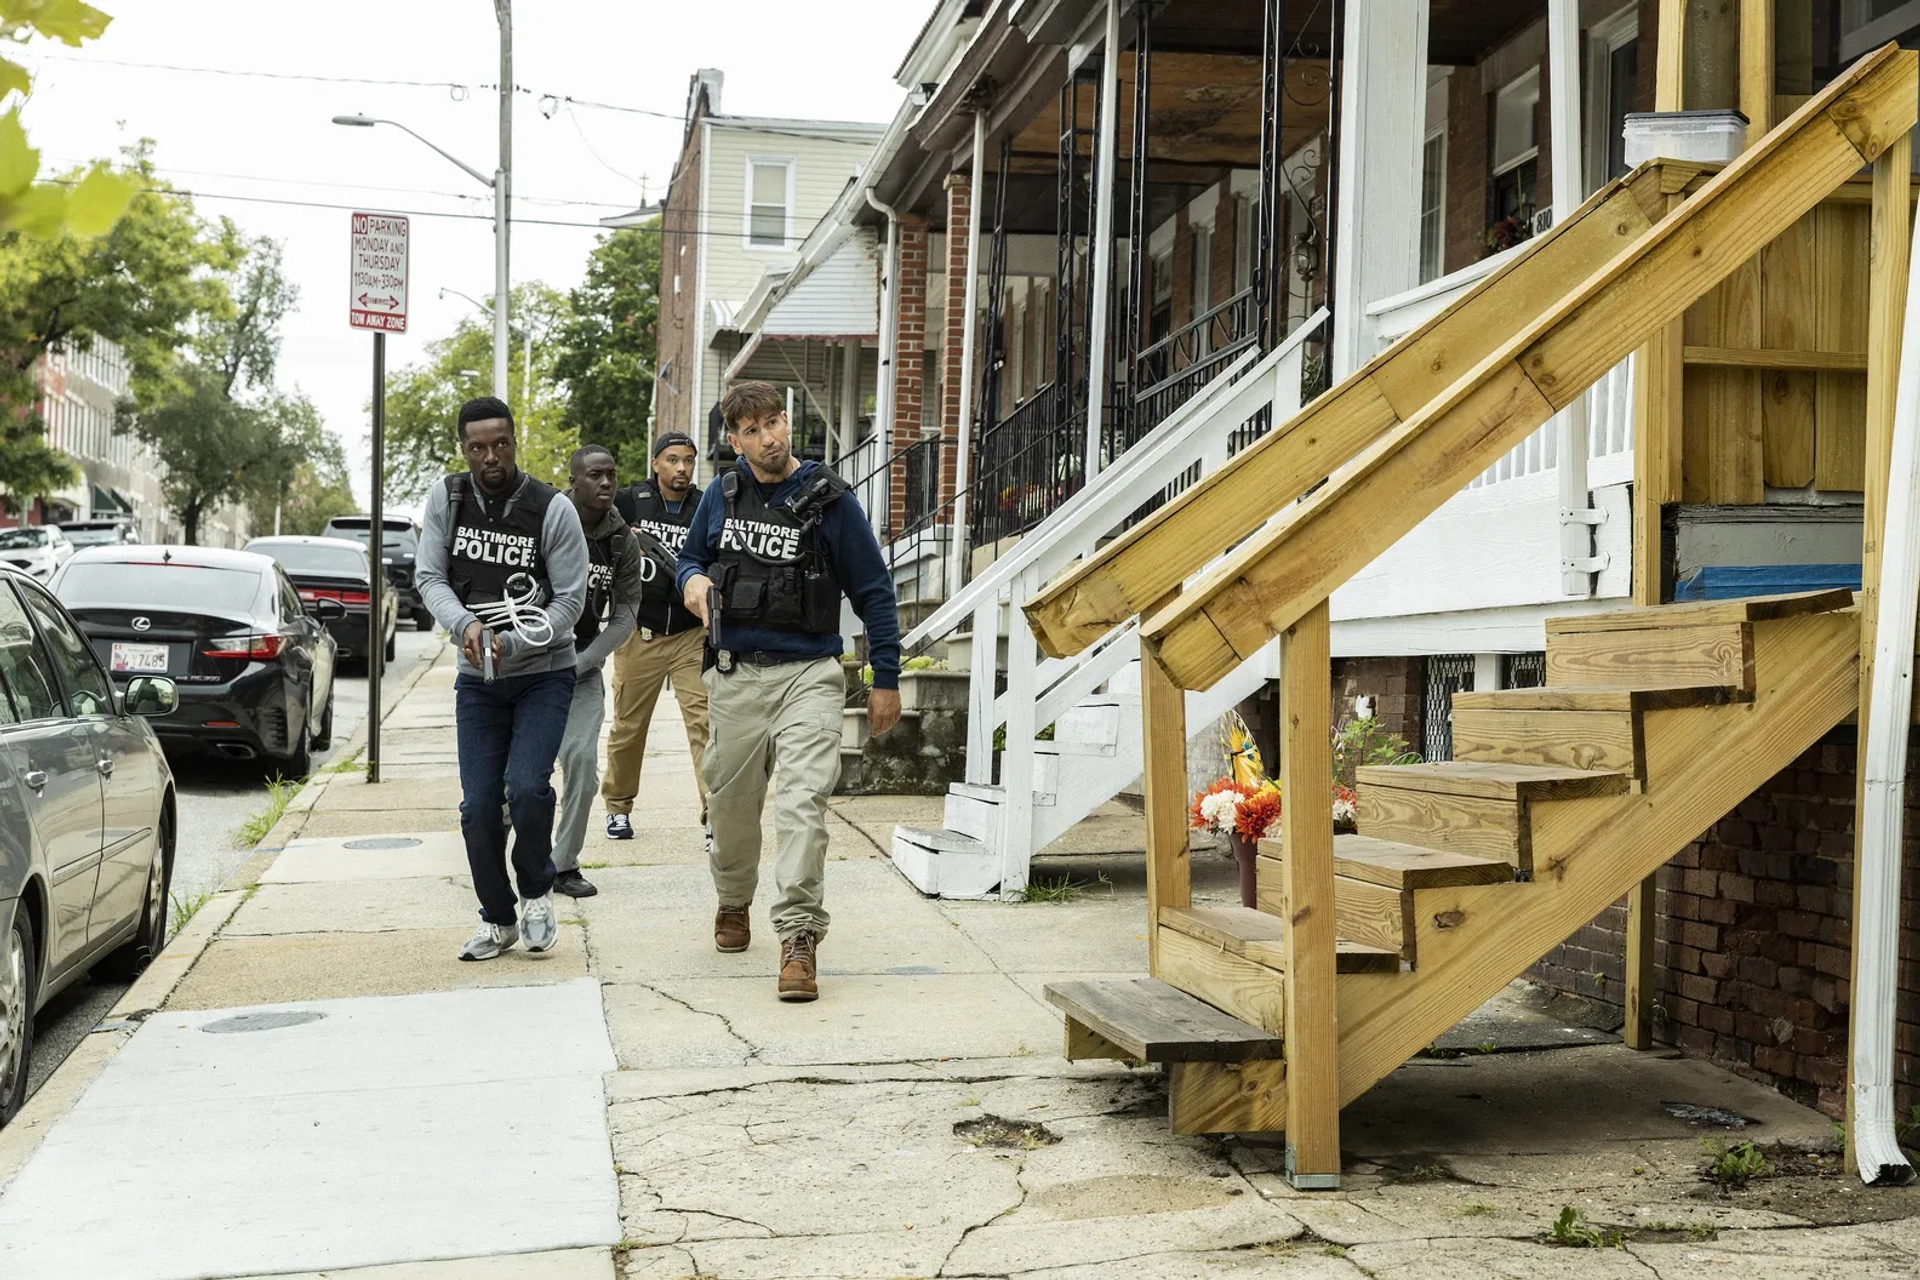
[271, 140]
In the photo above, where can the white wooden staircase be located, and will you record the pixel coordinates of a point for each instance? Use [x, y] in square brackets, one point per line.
[991, 829]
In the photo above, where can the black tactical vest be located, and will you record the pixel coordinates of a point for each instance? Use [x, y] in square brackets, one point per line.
[486, 552]
[603, 556]
[661, 610]
[775, 574]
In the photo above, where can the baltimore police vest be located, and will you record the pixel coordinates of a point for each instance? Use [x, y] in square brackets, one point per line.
[775, 573]
[603, 556]
[487, 552]
[661, 610]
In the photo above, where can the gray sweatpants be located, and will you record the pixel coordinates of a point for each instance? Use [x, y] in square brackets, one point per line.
[579, 763]
[773, 723]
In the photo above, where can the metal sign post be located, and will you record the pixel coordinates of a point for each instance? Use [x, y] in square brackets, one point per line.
[377, 300]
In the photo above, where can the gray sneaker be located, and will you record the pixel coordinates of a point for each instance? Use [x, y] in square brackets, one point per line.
[489, 940]
[536, 914]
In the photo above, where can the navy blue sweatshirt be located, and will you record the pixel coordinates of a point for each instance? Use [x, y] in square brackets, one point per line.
[849, 543]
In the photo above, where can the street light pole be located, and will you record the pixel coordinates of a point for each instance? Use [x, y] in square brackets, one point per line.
[502, 199]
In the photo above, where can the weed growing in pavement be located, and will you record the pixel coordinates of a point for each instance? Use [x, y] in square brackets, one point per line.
[349, 764]
[1335, 1251]
[280, 792]
[1734, 1167]
[1487, 1046]
[1573, 1231]
[1062, 890]
[594, 866]
[184, 909]
[1476, 1208]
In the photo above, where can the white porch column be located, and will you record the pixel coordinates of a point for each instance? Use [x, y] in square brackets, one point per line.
[976, 194]
[1569, 190]
[1383, 127]
[1106, 140]
[850, 399]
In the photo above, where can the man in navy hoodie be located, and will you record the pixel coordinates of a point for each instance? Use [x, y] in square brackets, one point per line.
[783, 541]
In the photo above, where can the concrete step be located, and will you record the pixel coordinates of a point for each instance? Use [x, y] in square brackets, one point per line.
[943, 863]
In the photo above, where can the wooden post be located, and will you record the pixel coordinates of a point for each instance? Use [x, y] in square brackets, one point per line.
[1889, 248]
[1670, 69]
[1638, 1031]
[1306, 827]
[1163, 755]
[1756, 67]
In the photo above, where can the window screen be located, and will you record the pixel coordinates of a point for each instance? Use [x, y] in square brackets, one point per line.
[767, 214]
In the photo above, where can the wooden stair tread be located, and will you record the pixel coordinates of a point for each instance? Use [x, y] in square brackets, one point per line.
[1156, 1022]
[1595, 698]
[1704, 613]
[1405, 866]
[1261, 938]
[1490, 781]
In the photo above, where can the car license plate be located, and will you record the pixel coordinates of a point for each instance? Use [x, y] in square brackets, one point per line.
[149, 658]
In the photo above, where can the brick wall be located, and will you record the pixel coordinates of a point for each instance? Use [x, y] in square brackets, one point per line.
[1467, 120]
[679, 328]
[910, 340]
[1180, 267]
[1396, 685]
[1225, 232]
[1754, 935]
[959, 202]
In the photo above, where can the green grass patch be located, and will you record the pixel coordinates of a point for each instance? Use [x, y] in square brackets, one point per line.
[1573, 1231]
[1734, 1167]
[280, 792]
[182, 910]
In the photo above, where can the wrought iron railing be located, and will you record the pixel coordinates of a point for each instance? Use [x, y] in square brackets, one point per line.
[1167, 374]
[1025, 467]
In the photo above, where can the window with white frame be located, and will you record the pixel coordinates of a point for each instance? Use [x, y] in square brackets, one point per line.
[1613, 65]
[1433, 204]
[1516, 155]
[769, 200]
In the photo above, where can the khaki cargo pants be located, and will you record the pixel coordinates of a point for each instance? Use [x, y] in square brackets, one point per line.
[640, 669]
[782, 724]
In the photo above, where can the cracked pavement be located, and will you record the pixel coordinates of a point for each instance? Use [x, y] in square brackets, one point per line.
[754, 1140]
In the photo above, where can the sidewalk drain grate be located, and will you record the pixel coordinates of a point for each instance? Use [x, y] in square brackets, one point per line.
[384, 842]
[262, 1021]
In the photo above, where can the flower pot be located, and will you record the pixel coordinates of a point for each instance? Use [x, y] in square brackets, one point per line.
[1245, 853]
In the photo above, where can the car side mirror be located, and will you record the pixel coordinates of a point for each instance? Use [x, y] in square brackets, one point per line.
[327, 610]
[150, 696]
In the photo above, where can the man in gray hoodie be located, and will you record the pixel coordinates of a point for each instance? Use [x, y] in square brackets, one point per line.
[503, 567]
[614, 572]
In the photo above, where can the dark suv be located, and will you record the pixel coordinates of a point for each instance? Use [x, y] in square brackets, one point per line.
[399, 544]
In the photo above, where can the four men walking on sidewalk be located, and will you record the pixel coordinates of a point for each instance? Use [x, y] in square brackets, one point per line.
[497, 541]
[779, 542]
[668, 641]
[613, 593]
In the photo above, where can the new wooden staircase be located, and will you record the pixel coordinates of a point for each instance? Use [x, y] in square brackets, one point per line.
[1654, 722]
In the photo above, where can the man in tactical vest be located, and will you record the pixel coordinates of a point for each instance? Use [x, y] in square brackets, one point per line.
[503, 566]
[667, 642]
[778, 542]
[614, 572]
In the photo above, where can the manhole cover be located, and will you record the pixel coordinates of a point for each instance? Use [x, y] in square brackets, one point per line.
[262, 1021]
[383, 842]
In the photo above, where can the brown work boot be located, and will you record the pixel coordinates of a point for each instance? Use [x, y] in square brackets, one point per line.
[731, 932]
[796, 968]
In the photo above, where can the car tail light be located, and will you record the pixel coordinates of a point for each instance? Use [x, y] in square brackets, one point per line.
[309, 595]
[356, 597]
[251, 648]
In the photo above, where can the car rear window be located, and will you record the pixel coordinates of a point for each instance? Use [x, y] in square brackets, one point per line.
[14, 539]
[304, 557]
[151, 585]
[92, 535]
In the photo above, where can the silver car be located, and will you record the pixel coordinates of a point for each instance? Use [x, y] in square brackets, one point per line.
[86, 819]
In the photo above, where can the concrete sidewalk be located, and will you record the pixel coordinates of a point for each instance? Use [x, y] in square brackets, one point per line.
[309, 1082]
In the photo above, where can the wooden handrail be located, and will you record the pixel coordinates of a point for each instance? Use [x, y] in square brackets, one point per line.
[1535, 320]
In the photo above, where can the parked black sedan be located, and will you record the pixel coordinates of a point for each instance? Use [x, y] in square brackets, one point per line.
[336, 569]
[253, 665]
[86, 819]
[399, 547]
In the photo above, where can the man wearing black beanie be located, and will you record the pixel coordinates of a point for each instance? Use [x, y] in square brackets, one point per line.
[667, 642]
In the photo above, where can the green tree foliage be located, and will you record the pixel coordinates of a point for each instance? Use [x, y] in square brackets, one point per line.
[142, 285]
[609, 344]
[306, 479]
[423, 399]
[216, 423]
[86, 204]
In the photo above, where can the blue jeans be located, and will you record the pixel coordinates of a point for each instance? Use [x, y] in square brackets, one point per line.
[508, 734]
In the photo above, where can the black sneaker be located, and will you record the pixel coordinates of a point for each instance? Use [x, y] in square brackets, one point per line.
[573, 885]
[619, 827]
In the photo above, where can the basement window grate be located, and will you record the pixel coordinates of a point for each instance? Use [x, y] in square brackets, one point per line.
[1523, 670]
[1447, 674]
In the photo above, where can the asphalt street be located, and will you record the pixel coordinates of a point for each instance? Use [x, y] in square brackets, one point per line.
[216, 797]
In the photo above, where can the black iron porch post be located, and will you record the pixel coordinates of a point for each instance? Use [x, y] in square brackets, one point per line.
[1127, 411]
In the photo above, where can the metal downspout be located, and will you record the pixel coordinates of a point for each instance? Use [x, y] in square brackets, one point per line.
[1876, 881]
[883, 380]
[956, 576]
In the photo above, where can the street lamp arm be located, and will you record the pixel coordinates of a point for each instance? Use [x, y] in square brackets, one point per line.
[364, 121]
